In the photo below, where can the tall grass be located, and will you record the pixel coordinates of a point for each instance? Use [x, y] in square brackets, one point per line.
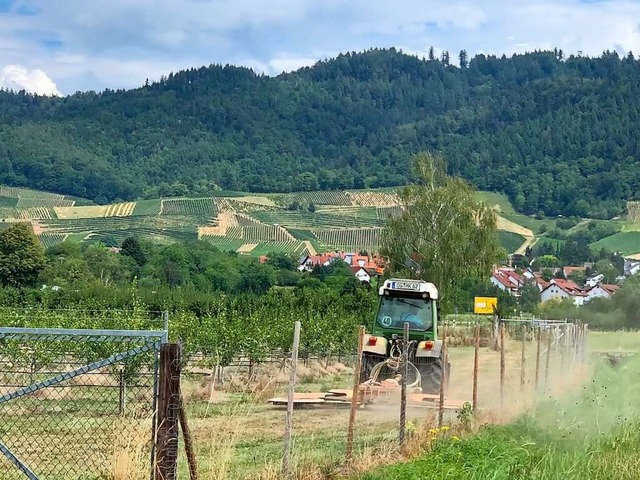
[129, 456]
[594, 434]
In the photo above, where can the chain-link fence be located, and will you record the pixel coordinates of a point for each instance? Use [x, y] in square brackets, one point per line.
[76, 404]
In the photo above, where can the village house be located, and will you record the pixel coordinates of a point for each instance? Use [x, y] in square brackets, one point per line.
[602, 290]
[594, 281]
[559, 289]
[507, 280]
[309, 262]
[567, 271]
[363, 267]
[362, 274]
[631, 267]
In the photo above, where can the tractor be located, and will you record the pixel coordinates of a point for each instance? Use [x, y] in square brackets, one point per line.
[412, 301]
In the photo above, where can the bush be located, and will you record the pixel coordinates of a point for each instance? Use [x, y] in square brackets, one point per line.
[567, 223]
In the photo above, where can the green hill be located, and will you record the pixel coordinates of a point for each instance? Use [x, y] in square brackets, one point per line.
[248, 224]
[555, 134]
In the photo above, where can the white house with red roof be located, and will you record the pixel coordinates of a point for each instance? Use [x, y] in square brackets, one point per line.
[602, 290]
[508, 280]
[308, 263]
[361, 274]
[364, 267]
[559, 289]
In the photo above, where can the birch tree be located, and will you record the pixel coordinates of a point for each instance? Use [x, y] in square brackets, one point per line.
[443, 234]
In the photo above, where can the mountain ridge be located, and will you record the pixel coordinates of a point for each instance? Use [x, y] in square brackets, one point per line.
[555, 134]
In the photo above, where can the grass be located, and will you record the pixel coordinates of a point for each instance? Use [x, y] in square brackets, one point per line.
[265, 248]
[499, 200]
[531, 223]
[626, 242]
[592, 433]
[510, 241]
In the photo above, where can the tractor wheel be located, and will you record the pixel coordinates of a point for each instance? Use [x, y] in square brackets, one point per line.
[431, 371]
[368, 362]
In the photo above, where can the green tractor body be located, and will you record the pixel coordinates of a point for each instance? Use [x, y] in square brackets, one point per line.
[414, 302]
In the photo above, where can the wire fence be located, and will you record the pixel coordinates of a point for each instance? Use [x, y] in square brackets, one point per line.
[72, 401]
[497, 372]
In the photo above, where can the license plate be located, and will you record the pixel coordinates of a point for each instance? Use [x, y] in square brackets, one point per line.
[406, 286]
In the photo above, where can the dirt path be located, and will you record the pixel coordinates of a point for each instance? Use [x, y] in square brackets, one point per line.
[509, 226]
[226, 219]
[528, 242]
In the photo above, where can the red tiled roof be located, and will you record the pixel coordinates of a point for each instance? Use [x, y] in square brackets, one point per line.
[542, 282]
[320, 259]
[356, 269]
[569, 286]
[610, 288]
[569, 270]
[508, 277]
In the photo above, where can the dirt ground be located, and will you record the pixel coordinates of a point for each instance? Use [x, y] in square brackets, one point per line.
[239, 433]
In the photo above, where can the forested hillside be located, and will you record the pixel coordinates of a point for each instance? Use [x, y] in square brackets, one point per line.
[557, 135]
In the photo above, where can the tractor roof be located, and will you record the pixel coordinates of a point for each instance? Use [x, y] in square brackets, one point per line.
[399, 284]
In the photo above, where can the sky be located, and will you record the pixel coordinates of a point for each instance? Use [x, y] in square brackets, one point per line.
[58, 47]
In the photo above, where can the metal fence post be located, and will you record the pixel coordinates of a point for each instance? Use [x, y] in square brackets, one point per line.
[548, 359]
[168, 412]
[539, 338]
[523, 360]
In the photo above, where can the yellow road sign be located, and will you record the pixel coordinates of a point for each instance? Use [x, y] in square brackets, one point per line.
[485, 305]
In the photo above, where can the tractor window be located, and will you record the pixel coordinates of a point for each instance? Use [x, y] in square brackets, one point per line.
[394, 311]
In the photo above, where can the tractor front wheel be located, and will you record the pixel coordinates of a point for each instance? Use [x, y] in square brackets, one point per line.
[368, 362]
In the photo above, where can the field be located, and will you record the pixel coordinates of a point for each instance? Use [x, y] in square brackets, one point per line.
[497, 201]
[346, 220]
[199, 207]
[246, 442]
[626, 242]
[579, 403]
[587, 433]
[511, 241]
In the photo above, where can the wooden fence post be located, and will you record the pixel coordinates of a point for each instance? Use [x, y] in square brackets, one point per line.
[292, 386]
[443, 378]
[523, 358]
[403, 384]
[502, 366]
[476, 348]
[166, 461]
[538, 341]
[354, 396]
[548, 359]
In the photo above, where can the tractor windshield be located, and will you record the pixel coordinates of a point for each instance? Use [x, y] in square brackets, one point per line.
[394, 311]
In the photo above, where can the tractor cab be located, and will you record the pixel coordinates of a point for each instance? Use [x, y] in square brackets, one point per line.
[413, 302]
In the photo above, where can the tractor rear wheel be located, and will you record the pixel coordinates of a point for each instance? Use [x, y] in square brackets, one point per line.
[432, 372]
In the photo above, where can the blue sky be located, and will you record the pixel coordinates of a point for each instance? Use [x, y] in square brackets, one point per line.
[62, 46]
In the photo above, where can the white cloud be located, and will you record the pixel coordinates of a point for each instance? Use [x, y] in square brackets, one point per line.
[84, 44]
[17, 77]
